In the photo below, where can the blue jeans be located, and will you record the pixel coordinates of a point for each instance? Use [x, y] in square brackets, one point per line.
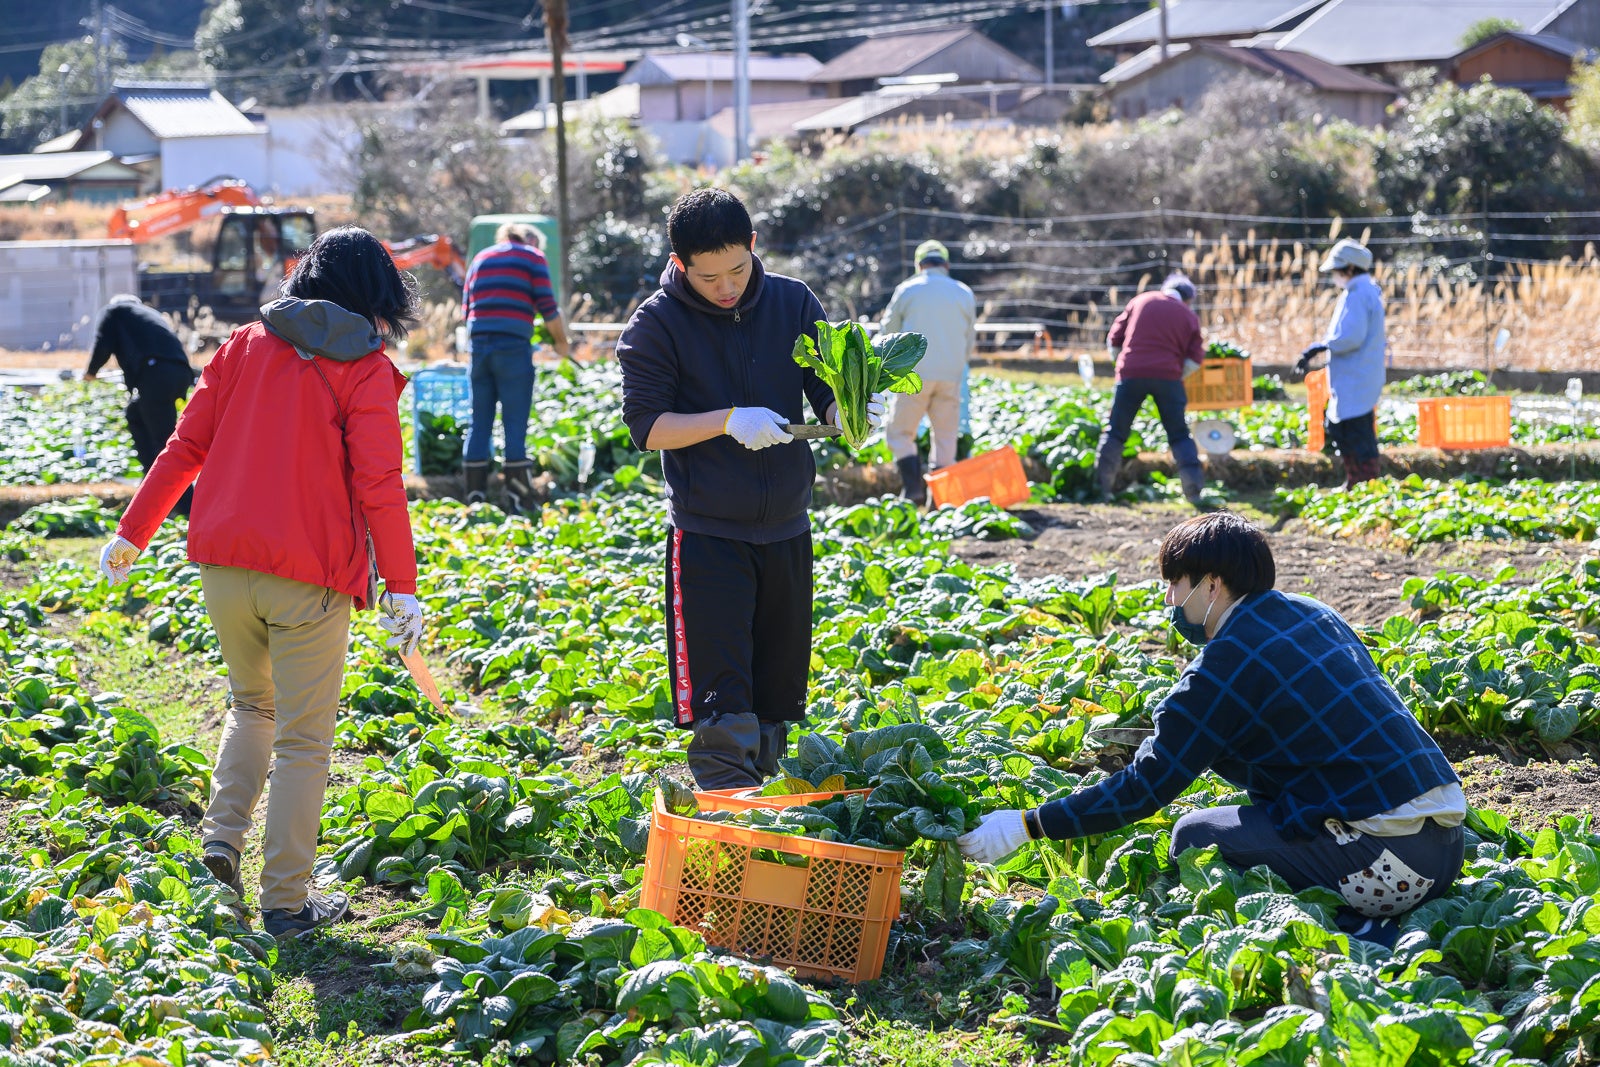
[1171, 403]
[502, 373]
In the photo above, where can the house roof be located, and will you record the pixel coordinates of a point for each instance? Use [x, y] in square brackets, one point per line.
[1292, 66]
[889, 57]
[1548, 42]
[65, 142]
[1190, 19]
[619, 103]
[671, 68]
[771, 121]
[22, 192]
[1342, 30]
[61, 166]
[860, 110]
[179, 109]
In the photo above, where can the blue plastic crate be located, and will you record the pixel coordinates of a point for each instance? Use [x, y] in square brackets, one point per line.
[443, 390]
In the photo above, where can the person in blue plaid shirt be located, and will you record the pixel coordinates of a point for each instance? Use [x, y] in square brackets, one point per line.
[1346, 789]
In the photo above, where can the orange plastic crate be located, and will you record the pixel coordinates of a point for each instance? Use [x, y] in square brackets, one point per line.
[1463, 422]
[997, 475]
[1219, 384]
[1317, 392]
[827, 916]
[745, 799]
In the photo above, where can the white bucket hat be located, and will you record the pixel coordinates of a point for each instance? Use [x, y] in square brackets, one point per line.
[1347, 253]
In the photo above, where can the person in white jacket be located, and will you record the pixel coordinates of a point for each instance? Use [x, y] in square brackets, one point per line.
[944, 310]
[1355, 344]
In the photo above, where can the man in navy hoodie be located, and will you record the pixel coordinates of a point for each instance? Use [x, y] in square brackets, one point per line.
[709, 380]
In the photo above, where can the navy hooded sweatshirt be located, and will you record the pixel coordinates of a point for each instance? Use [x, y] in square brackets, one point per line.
[680, 353]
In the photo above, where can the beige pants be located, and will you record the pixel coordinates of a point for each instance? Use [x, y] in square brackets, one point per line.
[941, 403]
[284, 644]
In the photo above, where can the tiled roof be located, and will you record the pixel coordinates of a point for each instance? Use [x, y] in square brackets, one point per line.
[1189, 19]
[178, 109]
[888, 57]
[671, 67]
[1345, 31]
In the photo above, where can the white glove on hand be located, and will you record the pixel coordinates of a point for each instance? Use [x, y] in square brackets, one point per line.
[117, 557]
[1189, 367]
[756, 428]
[999, 835]
[402, 617]
[877, 410]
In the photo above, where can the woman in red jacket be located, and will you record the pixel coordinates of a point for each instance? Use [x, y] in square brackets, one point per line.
[292, 442]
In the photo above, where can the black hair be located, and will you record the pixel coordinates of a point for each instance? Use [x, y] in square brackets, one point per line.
[350, 267]
[1223, 544]
[707, 220]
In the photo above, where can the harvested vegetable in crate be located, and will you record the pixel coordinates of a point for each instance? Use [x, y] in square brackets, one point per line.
[855, 367]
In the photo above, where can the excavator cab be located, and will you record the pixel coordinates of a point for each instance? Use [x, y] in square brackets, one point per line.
[243, 255]
[254, 250]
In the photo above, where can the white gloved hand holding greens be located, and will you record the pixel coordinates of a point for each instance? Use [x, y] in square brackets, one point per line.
[999, 835]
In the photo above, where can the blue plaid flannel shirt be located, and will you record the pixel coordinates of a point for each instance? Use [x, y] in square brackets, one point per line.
[1286, 703]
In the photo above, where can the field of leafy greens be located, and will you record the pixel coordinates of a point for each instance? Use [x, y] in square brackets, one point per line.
[496, 857]
[77, 434]
[496, 854]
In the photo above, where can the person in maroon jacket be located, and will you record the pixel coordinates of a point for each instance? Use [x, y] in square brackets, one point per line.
[294, 434]
[1157, 339]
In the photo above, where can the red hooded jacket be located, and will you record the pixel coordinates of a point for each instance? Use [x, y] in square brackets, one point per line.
[281, 489]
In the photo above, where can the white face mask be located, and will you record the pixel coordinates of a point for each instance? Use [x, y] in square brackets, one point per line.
[1345, 281]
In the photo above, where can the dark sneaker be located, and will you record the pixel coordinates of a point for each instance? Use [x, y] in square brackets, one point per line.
[222, 860]
[321, 909]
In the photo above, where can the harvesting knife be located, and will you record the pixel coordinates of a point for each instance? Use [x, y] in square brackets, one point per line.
[424, 679]
[807, 431]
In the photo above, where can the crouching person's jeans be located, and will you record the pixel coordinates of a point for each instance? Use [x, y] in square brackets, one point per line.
[1377, 876]
[736, 751]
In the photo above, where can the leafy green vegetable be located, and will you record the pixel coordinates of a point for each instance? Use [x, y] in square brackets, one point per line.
[855, 367]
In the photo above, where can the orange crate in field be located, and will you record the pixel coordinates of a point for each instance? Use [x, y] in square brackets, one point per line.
[745, 799]
[826, 911]
[1317, 393]
[1463, 422]
[997, 475]
[1219, 384]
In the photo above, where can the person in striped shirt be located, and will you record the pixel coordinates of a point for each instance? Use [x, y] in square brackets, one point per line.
[508, 285]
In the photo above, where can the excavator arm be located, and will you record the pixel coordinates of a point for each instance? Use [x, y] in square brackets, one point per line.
[429, 250]
[178, 209]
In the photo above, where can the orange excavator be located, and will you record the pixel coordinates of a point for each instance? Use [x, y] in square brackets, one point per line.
[243, 250]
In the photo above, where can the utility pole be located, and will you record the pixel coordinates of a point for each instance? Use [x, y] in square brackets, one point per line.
[741, 80]
[1163, 18]
[324, 77]
[555, 31]
[102, 51]
[1049, 44]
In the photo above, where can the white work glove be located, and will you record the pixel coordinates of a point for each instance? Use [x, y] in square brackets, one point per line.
[117, 558]
[756, 427]
[402, 617]
[877, 411]
[999, 835]
[1189, 367]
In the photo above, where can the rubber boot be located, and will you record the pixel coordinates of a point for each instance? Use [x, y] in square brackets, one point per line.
[477, 481]
[519, 486]
[1107, 465]
[915, 489]
[1193, 482]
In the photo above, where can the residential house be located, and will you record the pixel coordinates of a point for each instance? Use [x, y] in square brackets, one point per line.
[964, 52]
[1426, 36]
[1145, 85]
[1379, 37]
[673, 96]
[95, 177]
[1205, 20]
[1536, 63]
[188, 130]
